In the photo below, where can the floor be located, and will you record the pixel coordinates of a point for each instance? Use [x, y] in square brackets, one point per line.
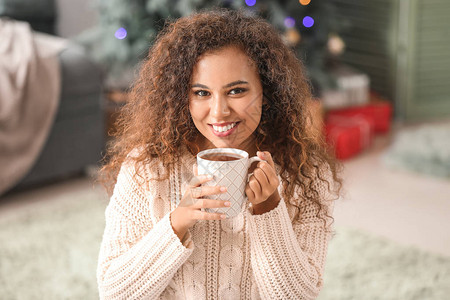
[409, 208]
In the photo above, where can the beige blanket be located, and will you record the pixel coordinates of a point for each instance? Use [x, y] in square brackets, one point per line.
[29, 94]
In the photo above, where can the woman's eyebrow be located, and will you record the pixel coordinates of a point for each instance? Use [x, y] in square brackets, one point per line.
[235, 83]
[199, 85]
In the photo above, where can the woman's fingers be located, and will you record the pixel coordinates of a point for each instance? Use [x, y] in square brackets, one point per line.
[270, 173]
[200, 179]
[195, 169]
[267, 179]
[204, 190]
[255, 186]
[210, 203]
[261, 174]
[201, 215]
[265, 155]
[250, 194]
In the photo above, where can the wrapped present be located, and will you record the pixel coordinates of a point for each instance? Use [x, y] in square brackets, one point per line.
[381, 110]
[348, 135]
[377, 112]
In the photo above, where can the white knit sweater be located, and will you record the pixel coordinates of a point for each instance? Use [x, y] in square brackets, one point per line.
[247, 257]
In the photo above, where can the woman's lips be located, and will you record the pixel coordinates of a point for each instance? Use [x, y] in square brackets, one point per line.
[224, 133]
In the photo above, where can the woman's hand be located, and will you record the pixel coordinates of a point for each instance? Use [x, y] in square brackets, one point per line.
[262, 188]
[190, 208]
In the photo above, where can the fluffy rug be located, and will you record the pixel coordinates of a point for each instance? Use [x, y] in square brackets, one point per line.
[425, 149]
[362, 266]
[50, 252]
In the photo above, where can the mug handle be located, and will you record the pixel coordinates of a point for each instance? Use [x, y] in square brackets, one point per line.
[250, 162]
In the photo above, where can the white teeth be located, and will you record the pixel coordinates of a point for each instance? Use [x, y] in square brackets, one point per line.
[223, 128]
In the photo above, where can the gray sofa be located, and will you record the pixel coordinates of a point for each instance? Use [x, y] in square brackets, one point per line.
[77, 137]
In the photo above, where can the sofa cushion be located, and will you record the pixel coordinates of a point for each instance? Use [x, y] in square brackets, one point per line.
[81, 78]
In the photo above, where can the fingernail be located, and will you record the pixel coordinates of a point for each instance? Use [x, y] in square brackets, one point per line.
[209, 176]
[223, 216]
[223, 189]
[227, 203]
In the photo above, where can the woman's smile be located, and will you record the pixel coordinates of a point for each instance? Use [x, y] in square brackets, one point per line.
[224, 129]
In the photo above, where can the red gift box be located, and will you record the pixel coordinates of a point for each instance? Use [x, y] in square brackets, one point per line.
[378, 112]
[382, 114]
[348, 135]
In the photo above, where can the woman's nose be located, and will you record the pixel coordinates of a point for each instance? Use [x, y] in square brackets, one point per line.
[219, 107]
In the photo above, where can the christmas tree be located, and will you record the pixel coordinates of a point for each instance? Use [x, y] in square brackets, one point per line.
[126, 29]
[311, 28]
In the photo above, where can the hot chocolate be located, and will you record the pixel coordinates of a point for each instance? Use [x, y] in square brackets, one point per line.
[224, 156]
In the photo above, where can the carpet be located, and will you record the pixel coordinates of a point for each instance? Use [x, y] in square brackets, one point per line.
[50, 252]
[364, 266]
[425, 149]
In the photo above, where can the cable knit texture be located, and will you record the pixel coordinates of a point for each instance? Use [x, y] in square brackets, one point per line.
[246, 257]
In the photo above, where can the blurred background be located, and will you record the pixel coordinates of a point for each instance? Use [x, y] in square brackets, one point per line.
[380, 74]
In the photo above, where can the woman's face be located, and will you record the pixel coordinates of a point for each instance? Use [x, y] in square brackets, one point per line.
[225, 99]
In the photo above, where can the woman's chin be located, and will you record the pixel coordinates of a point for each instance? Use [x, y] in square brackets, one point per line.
[224, 145]
[242, 144]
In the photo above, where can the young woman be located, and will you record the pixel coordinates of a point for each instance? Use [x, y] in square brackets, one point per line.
[217, 79]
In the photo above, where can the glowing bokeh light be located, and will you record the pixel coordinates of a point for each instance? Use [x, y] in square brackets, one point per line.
[289, 22]
[250, 2]
[304, 2]
[120, 33]
[308, 21]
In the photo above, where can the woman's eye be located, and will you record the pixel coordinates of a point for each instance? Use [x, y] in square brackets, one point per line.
[237, 91]
[201, 93]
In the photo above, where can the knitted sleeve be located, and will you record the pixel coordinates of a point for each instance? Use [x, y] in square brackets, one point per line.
[288, 259]
[139, 253]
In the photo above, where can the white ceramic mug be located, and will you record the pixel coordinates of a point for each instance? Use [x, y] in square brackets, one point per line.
[232, 174]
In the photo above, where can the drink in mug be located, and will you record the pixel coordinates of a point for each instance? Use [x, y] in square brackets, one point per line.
[229, 168]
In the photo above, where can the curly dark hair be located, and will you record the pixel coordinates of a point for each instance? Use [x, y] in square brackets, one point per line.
[157, 120]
